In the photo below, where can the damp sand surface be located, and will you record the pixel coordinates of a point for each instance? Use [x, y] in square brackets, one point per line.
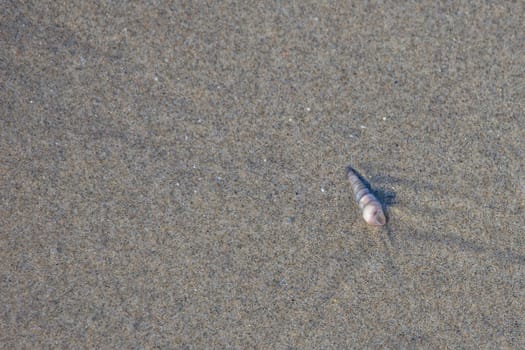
[174, 176]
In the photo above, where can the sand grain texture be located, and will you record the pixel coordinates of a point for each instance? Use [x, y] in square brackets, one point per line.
[173, 175]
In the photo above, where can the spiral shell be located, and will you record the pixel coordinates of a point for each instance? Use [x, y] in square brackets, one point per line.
[369, 204]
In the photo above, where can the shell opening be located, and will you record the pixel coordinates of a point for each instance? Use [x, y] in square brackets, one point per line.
[373, 214]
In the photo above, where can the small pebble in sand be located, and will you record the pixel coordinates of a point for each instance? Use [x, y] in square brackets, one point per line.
[371, 207]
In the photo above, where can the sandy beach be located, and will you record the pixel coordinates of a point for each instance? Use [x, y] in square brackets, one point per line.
[172, 175]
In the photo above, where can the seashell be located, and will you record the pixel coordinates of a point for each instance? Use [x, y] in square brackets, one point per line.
[369, 204]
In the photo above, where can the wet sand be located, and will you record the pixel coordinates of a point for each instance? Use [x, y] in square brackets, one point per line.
[173, 177]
